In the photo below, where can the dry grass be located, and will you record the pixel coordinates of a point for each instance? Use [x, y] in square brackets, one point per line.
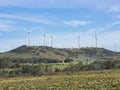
[87, 80]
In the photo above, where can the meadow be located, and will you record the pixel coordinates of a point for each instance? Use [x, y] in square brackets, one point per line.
[84, 80]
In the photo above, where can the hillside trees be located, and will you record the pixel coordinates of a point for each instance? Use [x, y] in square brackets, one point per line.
[68, 60]
[96, 65]
[33, 60]
[4, 63]
[37, 70]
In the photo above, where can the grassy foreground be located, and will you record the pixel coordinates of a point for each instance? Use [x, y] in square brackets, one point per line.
[87, 80]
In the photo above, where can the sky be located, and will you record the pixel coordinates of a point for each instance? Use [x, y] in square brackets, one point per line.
[65, 20]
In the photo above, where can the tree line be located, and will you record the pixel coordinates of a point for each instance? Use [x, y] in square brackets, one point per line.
[9, 68]
[96, 65]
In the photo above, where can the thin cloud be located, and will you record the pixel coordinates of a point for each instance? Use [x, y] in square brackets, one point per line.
[93, 4]
[116, 23]
[117, 16]
[104, 28]
[76, 23]
[114, 8]
[6, 25]
[27, 18]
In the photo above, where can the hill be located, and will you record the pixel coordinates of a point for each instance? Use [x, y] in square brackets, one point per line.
[89, 53]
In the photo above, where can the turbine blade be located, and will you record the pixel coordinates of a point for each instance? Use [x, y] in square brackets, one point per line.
[26, 29]
[42, 31]
[30, 30]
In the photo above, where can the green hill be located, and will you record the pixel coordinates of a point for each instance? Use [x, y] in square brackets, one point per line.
[89, 53]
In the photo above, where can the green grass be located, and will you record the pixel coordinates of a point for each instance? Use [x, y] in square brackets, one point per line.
[87, 80]
[60, 66]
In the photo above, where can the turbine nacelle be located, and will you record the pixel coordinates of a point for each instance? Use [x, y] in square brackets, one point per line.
[28, 31]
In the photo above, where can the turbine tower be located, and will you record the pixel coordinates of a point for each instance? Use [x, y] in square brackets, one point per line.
[44, 36]
[51, 40]
[96, 40]
[78, 40]
[115, 49]
[29, 33]
[44, 39]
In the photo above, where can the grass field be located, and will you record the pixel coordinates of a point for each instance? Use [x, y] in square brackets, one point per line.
[87, 80]
[60, 66]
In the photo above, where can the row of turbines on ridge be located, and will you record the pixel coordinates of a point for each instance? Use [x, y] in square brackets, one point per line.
[51, 39]
[44, 36]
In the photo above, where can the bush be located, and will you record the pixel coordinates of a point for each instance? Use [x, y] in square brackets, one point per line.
[77, 67]
[4, 63]
[16, 65]
[37, 70]
[96, 65]
[68, 60]
[26, 69]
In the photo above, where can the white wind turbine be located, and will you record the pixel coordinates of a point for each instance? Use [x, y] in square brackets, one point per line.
[96, 45]
[115, 45]
[96, 40]
[78, 40]
[44, 36]
[29, 35]
[51, 40]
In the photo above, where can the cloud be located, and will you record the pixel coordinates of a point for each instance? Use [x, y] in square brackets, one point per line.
[6, 25]
[40, 19]
[104, 28]
[114, 8]
[76, 23]
[10, 22]
[37, 3]
[93, 4]
[117, 16]
[116, 23]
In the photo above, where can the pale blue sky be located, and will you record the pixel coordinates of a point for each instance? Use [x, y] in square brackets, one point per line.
[64, 19]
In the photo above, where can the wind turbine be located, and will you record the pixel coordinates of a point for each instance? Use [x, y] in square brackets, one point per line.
[96, 40]
[51, 37]
[115, 49]
[78, 40]
[29, 33]
[44, 36]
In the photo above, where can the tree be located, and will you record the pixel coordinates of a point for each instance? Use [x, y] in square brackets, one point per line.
[76, 67]
[49, 69]
[16, 65]
[4, 63]
[68, 60]
[26, 69]
[38, 70]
